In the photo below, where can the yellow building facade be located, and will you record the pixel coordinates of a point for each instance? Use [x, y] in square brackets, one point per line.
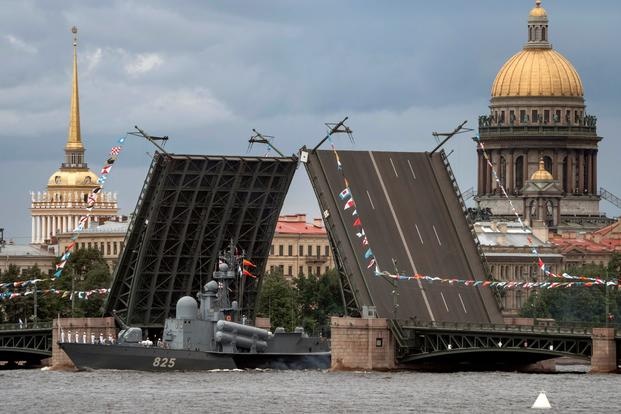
[300, 248]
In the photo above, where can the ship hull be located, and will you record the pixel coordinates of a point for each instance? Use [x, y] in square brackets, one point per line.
[139, 358]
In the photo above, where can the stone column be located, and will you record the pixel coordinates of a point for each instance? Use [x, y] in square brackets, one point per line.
[32, 229]
[589, 171]
[571, 176]
[594, 176]
[525, 175]
[581, 171]
[496, 163]
[39, 229]
[510, 168]
[556, 168]
[604, 350]
[479, 173]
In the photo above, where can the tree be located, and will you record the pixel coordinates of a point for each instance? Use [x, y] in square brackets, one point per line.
[277, 301]
[319, 298]
[578, 304]
[307, 301]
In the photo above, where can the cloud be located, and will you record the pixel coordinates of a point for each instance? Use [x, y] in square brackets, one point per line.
[19, 44]
[143, 63]
[93, 59]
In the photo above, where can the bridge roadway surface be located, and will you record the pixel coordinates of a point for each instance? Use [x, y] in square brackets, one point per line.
[411, 213]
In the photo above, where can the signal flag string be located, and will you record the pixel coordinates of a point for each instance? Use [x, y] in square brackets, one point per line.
[90, 203]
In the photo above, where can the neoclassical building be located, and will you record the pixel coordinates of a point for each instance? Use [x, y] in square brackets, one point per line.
[538, 116]
[59, 209]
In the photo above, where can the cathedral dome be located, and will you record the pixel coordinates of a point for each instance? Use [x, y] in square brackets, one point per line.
[72, 178]
[537, 72]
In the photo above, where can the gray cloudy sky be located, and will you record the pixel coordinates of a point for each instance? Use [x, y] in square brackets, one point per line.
[207, 72]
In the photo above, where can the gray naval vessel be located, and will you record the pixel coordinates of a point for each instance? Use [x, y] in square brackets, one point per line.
[206, 337]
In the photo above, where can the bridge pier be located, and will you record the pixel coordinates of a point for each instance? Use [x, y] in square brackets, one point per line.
[83, 327]
[361, 343]
[604, 351]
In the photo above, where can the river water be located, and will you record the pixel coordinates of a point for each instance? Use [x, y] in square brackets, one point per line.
[37, 391]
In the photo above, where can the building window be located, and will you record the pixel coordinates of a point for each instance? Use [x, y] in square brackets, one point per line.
[272, 269]
[301, 271]
[326, 251]
[108, 248]
[546, 116]
[300, 250]
[318, 251]
[519, 172]
[115, 248]
[281, 250]
[272, 250]
[318, 270]
[310, 250]
[547, 163]
[522, 116]
[290, 250]
[281, 269]
[535, 116]
[310, 270]
[290, 271]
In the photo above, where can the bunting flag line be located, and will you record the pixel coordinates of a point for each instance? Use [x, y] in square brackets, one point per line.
[90, 203]
[88, 294]
[498, 284]
[347, 196]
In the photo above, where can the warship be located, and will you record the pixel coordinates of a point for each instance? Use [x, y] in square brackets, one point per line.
[208, 334]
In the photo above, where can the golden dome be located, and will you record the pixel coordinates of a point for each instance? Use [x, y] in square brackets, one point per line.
[73, 178]
[541, 174]
[537, 72]
[538, 11]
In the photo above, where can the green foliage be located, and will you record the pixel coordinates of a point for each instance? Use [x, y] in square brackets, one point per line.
[277, 301]
[307, 301]
[580, 304]
[319, 297]
[90, 272]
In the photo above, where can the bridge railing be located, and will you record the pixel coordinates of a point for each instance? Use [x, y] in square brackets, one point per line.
[24, 326]
[557, 328]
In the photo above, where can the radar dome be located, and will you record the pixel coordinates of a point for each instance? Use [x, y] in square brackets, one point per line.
[187, 308]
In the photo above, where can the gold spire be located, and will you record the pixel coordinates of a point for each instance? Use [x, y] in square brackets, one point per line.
[74, 139]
